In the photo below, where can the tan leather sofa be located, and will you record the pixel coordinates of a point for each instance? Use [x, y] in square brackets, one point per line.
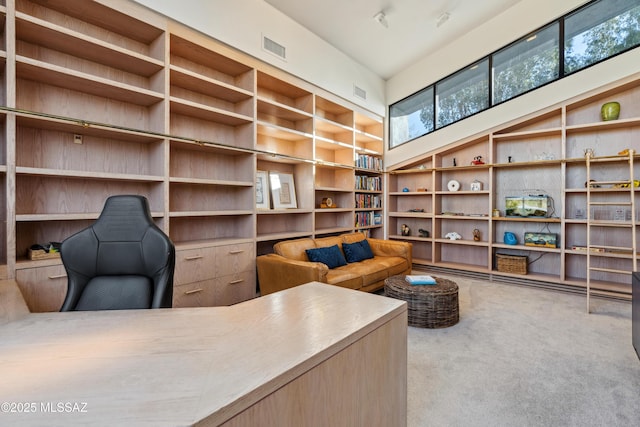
[289, 265]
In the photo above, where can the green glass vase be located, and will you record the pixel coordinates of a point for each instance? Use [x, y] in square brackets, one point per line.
[610, 111]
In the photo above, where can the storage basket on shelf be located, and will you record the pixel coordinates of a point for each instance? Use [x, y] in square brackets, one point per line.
[516, 264]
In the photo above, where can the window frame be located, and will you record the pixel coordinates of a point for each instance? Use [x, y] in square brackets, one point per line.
[562, 73]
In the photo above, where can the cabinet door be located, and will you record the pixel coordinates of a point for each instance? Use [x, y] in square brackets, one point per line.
[43, 288]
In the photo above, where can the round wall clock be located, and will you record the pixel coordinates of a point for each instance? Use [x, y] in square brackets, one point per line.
[453, 185]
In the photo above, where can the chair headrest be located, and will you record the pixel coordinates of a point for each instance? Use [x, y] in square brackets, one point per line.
[123, 218]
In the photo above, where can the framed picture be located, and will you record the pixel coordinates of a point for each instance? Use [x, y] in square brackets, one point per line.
[283, 191]
[262, 190]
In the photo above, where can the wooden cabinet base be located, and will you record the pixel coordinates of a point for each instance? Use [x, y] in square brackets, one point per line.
[315, 355]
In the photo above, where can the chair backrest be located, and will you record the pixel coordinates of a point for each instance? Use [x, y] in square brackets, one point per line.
[122, 261]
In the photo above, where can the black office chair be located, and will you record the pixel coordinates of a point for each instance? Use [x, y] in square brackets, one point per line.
[122, 261]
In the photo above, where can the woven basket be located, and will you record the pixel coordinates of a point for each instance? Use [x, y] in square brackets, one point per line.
[515, 264]
[428, 306]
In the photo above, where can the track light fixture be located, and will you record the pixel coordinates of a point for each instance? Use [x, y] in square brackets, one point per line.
[444, 17]
[381, 19]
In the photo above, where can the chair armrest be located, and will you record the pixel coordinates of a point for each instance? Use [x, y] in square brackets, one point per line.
[276, 273]
[381, 247]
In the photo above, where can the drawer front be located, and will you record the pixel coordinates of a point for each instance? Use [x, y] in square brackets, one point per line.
[43, 288]
[234, 259]
[197, 294]
[235, 288]
[194, 265]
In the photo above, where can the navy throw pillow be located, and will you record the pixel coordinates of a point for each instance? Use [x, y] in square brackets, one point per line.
[331, 256]
[358, 251]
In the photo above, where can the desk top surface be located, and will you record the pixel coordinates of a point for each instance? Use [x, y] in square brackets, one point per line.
[175, 366]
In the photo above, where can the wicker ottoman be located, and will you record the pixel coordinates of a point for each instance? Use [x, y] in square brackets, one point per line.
[429, 306]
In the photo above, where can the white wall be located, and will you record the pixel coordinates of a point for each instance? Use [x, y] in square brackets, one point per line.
[524, 17]
[241, 24]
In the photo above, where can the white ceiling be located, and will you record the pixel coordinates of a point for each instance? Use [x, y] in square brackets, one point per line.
[412, 32]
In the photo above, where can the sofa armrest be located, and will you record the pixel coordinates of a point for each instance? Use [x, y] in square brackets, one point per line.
[381, 247]
[276, 273]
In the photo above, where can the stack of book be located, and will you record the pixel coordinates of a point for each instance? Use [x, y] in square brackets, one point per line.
[420, 280]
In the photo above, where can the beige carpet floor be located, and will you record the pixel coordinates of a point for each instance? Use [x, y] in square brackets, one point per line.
[523, 356]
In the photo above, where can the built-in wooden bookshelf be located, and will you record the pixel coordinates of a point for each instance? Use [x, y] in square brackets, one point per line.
[542, 154]
[103, 99]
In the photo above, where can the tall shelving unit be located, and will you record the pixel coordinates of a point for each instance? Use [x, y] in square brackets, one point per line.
[540, 154]
[285, 135]
[100, 98]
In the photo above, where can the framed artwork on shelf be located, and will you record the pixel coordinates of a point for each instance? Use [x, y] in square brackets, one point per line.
[262, 190]
[283, 191]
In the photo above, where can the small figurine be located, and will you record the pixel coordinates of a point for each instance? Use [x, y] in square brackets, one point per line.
[454, 162]
[477, 161]
[423, 232]
[405, 230]
[453, 236]
[476, 235]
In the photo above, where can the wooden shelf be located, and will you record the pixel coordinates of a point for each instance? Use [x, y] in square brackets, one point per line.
[542, 153]
[59, 38]
[31, 69]
[204, 85]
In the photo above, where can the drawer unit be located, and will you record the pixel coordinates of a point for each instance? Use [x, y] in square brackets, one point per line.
[194, 265]
[196, 294]
[234, 259]
[43, 288]
[214, 275]
[235, 288]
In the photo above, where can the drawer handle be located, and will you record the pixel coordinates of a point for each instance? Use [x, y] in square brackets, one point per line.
[239, 251]
[193, 291]
[193, 258]
[233, 282]
[59, 276]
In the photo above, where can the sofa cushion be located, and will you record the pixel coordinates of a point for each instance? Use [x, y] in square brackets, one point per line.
[370, 271]
[294, 249]
[393, 264]
[344, 277]
[357, 251]
[352, 237]
[331, 256]
[323, 242]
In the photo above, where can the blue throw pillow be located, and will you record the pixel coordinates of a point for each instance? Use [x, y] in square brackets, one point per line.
[330, 256]
[358, 251]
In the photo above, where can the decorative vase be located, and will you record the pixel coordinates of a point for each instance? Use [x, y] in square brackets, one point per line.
[610, 111]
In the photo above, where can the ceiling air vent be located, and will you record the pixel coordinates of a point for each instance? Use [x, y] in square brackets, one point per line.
[273, 47]
[359, 92]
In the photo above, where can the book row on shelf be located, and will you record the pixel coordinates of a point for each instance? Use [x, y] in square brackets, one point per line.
[368, 201]
[365, 161]
[368, 183]
[368, 219]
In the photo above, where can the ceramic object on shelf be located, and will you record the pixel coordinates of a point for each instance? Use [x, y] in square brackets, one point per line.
[510, 238]
[610, 111]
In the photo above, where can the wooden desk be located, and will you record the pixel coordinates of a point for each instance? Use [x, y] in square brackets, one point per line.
[314, 355]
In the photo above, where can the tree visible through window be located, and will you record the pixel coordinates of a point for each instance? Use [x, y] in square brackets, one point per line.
[600, 31]
[462, 94]
[597, 31]
[526, 64]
